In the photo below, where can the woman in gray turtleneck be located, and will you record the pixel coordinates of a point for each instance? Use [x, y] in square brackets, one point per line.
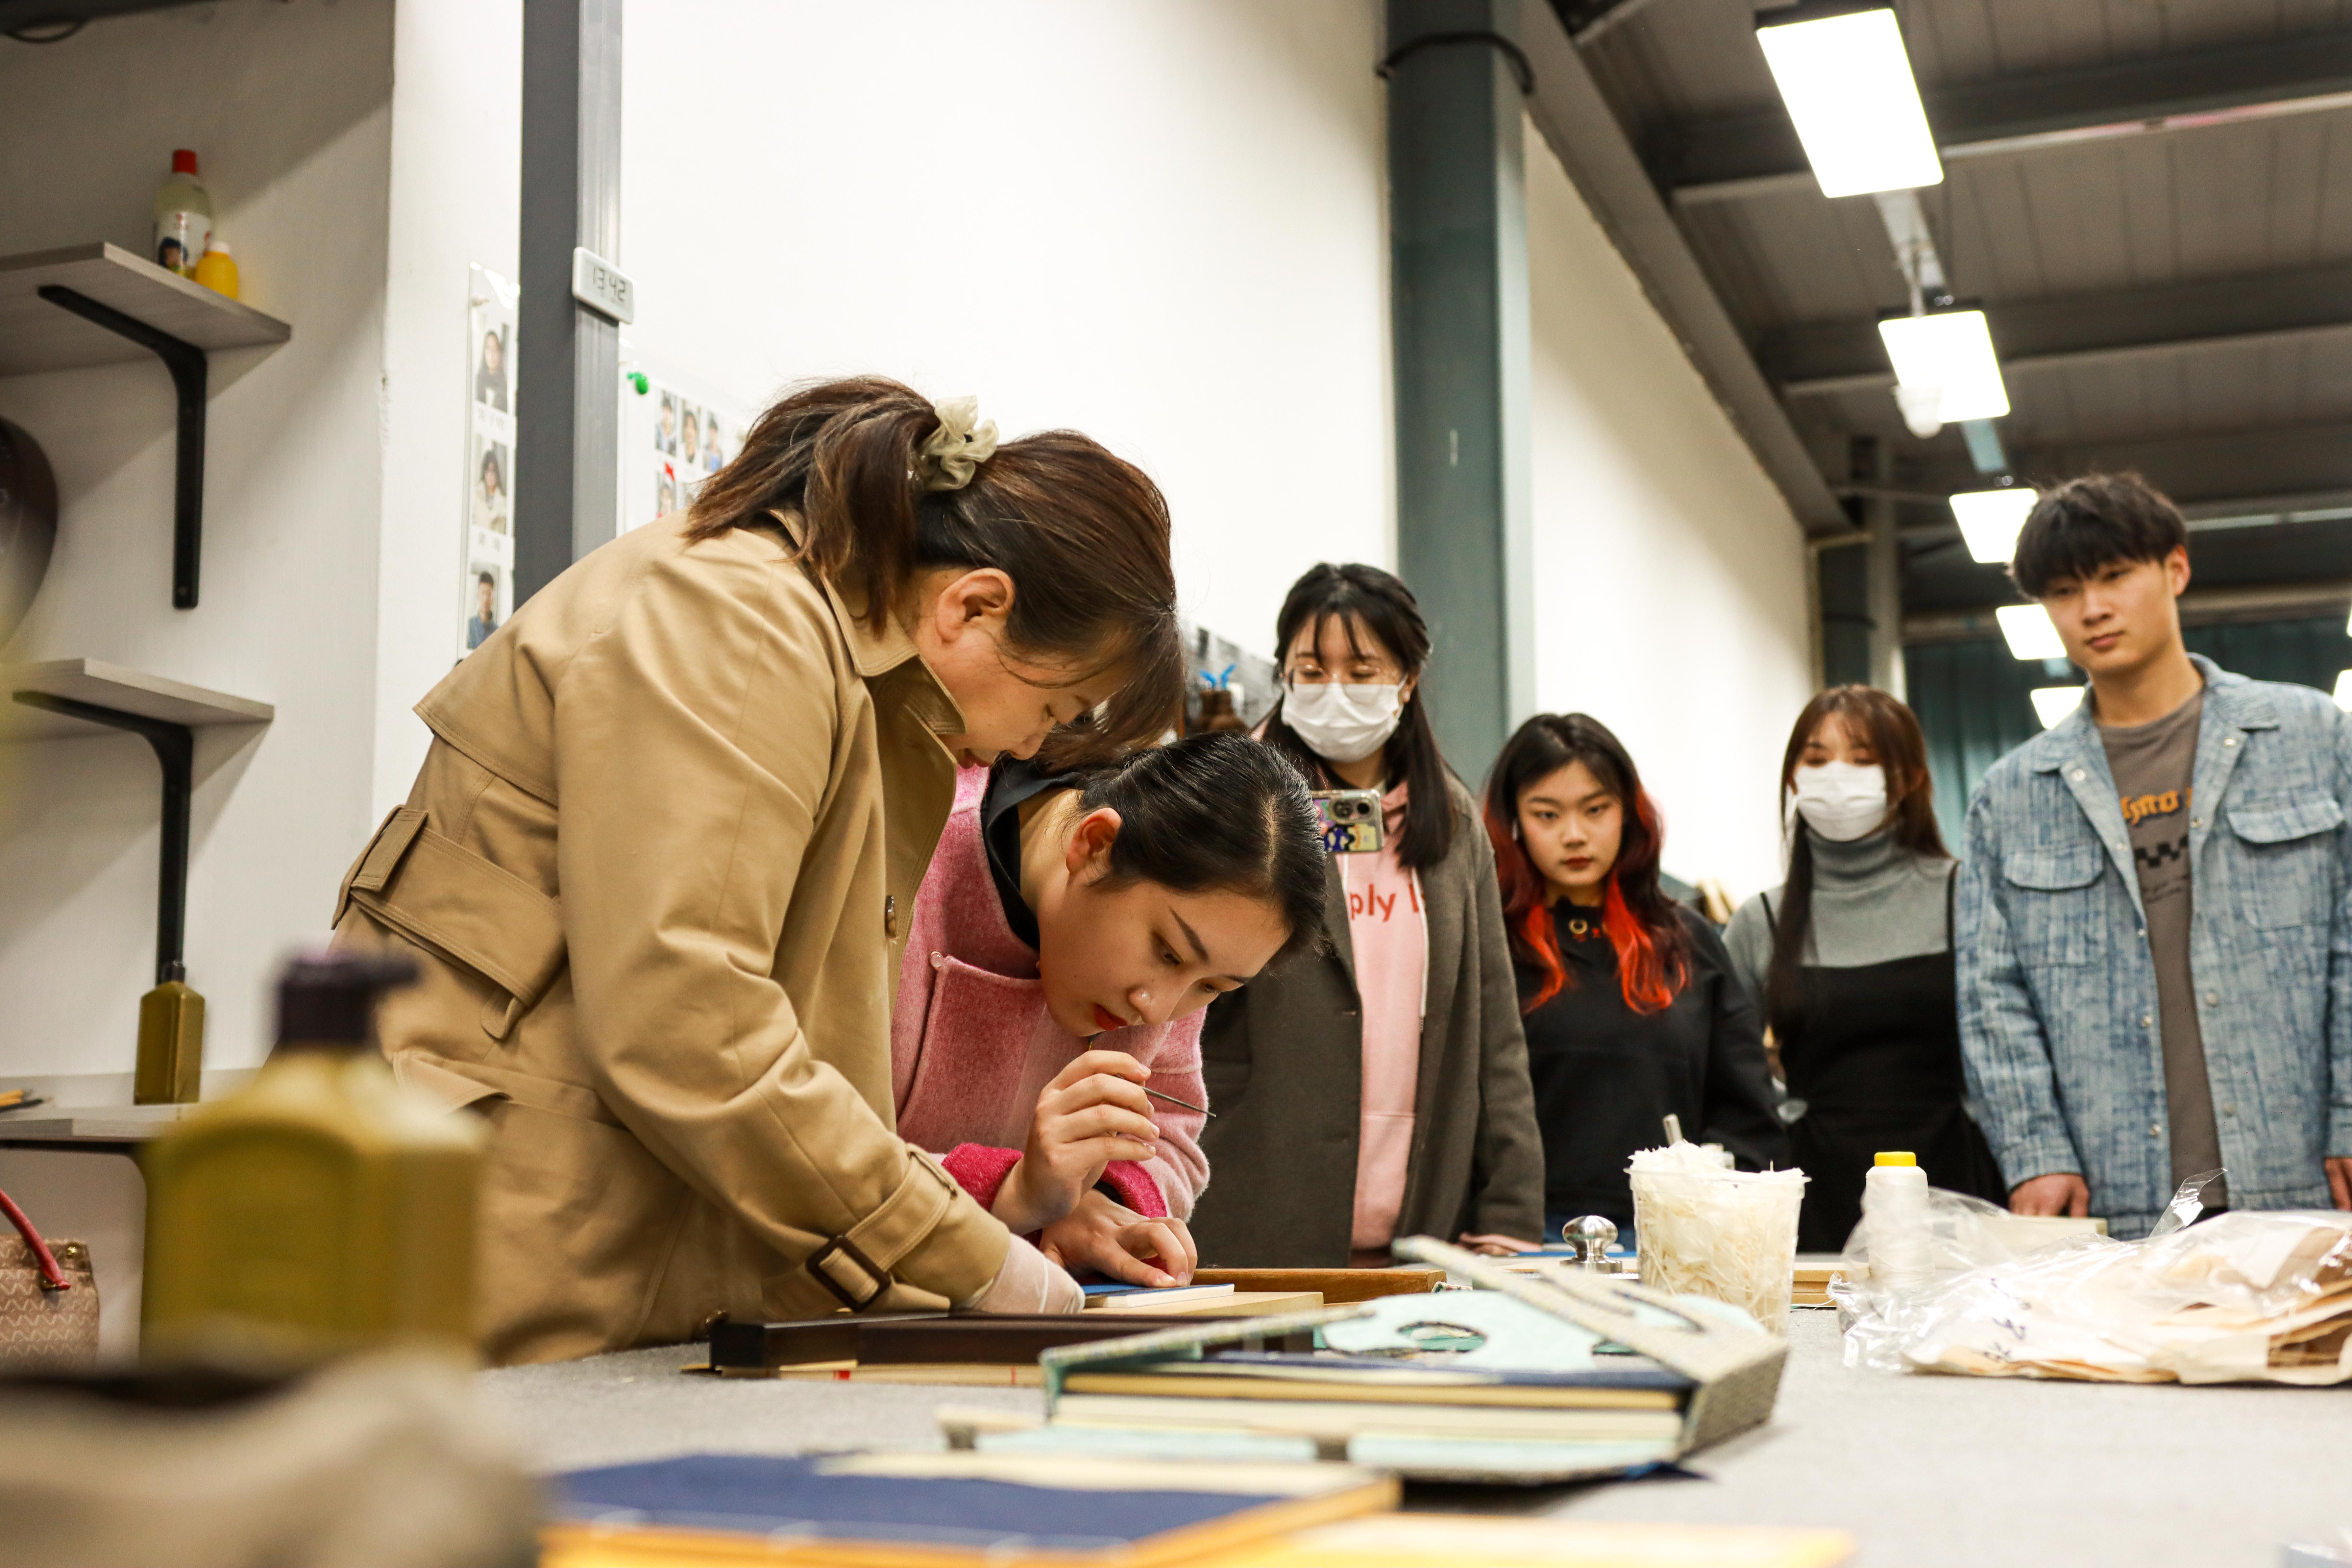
[1852, 964]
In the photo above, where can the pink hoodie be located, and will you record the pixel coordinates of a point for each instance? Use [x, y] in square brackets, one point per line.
[971, 1044]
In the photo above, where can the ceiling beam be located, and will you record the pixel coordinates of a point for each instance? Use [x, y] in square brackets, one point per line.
[1587, 20]
[1583, 132]
[42, 16]
[1826, 358]
[2206, 474]
[1739, 156]
[2199, 607]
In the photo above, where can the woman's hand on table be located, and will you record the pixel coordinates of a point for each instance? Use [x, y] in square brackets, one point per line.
[1093, 1112]
[1114, 1241]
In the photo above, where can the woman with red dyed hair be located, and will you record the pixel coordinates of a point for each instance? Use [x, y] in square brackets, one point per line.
[1632, 1010]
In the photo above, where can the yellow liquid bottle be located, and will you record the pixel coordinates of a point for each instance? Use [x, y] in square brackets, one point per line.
[170, 1062]
[323, 1207]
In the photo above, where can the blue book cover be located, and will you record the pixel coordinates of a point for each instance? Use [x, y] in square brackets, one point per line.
[992, 1507]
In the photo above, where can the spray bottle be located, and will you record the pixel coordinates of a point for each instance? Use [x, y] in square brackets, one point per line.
[323, 1207]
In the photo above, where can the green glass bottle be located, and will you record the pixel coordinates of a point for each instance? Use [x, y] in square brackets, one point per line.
[170, 1062]
[323, 1207]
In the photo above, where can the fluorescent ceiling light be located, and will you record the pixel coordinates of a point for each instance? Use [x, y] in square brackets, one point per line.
[1990, 520]
[2030, 634]
[1849, 87]
[2051, 703]
[2344, 688]
[1951, 350]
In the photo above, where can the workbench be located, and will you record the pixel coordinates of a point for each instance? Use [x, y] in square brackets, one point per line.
[1927, 1472]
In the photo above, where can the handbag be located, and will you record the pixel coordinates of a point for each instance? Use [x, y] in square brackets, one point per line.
[48, 1300]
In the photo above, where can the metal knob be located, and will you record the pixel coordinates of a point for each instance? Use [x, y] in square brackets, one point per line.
[1590, 1237]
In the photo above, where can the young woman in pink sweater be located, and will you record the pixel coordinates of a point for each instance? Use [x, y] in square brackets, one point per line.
[1070, 932]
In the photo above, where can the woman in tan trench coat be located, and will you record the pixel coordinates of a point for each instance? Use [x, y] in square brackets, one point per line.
[662, 853]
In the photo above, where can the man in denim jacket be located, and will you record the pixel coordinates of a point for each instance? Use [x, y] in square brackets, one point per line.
[2154, 959]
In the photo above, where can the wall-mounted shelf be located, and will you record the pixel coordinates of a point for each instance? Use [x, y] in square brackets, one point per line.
[110, 686]
[34, 335]
[97, 304]
[78, 696]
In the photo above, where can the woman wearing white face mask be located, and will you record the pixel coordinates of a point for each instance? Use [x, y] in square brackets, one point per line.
[1378, 1089]
[1852, 961]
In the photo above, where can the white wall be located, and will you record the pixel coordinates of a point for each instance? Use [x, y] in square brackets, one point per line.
[289, 106]
[1670, 575]
[1161, 223]
[457, 166]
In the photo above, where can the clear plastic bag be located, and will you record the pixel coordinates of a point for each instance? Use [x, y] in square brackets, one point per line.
[2246, 1296]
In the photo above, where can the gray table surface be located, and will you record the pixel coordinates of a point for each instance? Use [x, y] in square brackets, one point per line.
[1926, 1472]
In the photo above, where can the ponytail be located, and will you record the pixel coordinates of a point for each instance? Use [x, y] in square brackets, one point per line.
[1083, 534]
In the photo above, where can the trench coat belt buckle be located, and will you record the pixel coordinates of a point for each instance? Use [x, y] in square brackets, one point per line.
[825, 1265]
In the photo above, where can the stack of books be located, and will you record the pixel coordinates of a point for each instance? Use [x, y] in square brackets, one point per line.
[1522, 1381]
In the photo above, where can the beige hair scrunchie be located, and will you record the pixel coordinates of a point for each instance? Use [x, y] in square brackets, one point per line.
[951, 454]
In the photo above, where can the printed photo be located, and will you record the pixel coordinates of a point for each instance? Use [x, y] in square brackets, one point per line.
[492, 506]
[487, 611]
[665, 435]
[490, 379]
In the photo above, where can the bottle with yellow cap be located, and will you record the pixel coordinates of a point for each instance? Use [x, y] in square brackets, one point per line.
[1895, 1222]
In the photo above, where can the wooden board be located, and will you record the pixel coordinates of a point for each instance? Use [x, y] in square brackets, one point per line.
[1481, 1540]
[1244, 1304]
[945, 1375]
[1338, 1287]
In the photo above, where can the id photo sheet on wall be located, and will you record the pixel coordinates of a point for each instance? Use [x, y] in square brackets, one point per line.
[672, 440]
[486, 592]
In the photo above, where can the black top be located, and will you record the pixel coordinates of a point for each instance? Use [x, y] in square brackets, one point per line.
[1873, 1052]
[1606, 1077]
[1010, 783]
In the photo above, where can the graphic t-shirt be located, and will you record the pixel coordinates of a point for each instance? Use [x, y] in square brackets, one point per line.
[2154, 764]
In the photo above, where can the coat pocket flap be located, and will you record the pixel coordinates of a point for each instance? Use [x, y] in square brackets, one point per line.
[2282, 820]
[2052, 870]
[486, 917]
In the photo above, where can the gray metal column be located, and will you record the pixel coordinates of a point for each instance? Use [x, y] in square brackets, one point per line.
[1457, 220]
[1859, 581]
[1872, 464]
[567, 392]
[1884, 571]
[1841, 568]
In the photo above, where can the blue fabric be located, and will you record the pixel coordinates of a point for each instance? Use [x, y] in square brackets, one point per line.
[759, 1495]
[2058, 1003]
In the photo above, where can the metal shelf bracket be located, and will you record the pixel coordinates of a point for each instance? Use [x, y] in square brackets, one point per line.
[175, 752]
[190, 371]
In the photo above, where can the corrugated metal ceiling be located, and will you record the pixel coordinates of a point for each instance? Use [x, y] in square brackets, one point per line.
[2211, 409]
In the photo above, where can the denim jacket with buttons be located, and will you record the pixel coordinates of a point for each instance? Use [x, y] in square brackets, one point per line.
[2058, 1008]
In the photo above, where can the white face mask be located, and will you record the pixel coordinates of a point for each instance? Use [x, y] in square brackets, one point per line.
[1343, 723]
[1842, 801]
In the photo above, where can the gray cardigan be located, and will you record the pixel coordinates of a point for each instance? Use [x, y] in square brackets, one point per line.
[1283, 1057]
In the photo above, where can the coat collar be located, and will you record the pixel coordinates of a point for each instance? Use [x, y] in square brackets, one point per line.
[2230, 700]
[874, 653]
